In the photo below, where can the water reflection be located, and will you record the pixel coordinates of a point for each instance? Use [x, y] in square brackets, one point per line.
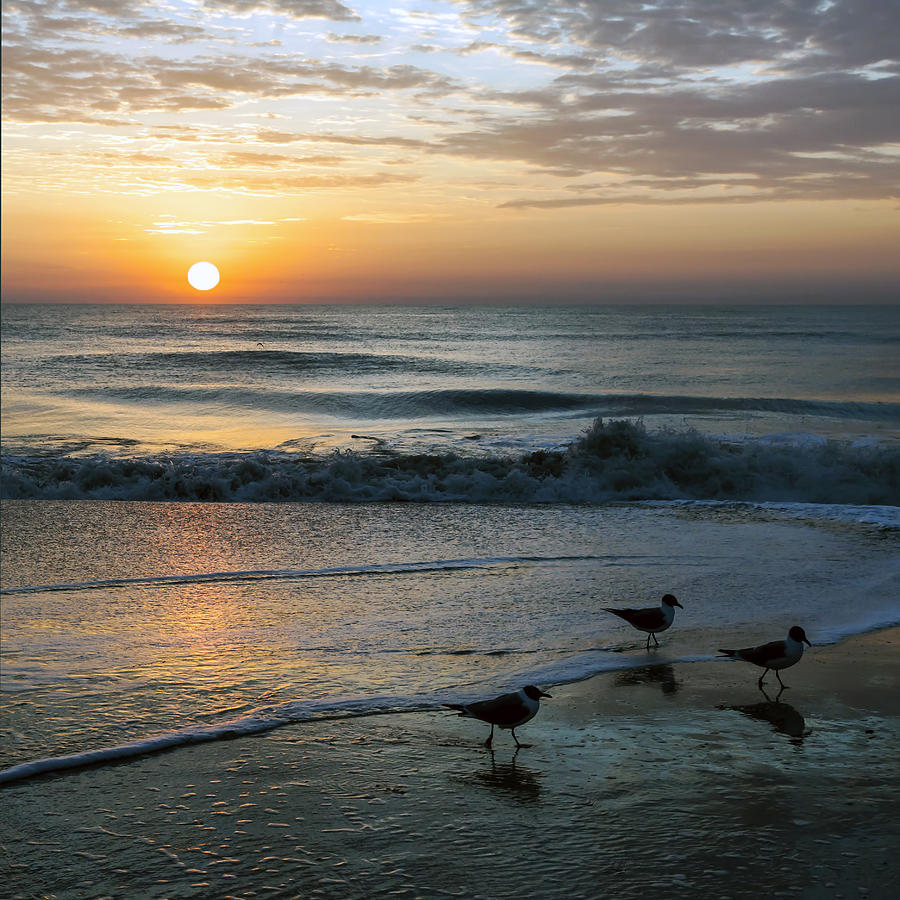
[515, 781]
[662, 674]
[784, 718]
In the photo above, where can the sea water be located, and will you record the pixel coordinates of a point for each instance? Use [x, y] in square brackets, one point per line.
[377, 403]
[563, 460]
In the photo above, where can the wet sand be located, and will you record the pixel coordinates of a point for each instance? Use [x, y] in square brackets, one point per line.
[656, 782]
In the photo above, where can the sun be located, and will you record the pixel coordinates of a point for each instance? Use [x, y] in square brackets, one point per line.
[203, 276]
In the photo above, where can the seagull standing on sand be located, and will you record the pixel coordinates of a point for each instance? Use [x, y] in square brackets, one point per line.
[650, 619]
[774, 655]
[506, 711]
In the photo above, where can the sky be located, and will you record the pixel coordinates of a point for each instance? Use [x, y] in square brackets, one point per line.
[452, 150]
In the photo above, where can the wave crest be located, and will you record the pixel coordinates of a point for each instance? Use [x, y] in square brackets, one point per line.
[614, 460]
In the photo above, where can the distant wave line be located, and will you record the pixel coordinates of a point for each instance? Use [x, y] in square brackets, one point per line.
[256, 358]
[441, 565]
[450, 401]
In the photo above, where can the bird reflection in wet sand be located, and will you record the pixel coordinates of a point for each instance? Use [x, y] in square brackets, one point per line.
[663, 675]
[783, 717]
[519, 782]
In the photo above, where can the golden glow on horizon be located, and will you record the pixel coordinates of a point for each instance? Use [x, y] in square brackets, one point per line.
[203, 276]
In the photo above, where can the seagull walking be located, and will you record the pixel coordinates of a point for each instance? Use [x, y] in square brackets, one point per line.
[651, 619]
[506, 711]
[775, 655]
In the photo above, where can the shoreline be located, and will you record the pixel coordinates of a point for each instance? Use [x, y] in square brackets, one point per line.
[674, 781]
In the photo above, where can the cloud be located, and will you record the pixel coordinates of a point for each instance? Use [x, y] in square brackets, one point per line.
[292, 9]
[693, 34]
[271, 136]
[353, 38]
[779, 132]
[50, 85]
[240, 158]
[722, 102]
[564, 61]
[56, 20]
[798, 98]
[391, 218]
[282, 181]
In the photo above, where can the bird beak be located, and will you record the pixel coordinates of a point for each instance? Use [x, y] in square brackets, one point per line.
[808, 644]
[545, 695]
[678, 605]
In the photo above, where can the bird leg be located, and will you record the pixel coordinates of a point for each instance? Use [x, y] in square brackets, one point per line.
[760, 682]
[783, 685]
[518, 745]
[490, 738]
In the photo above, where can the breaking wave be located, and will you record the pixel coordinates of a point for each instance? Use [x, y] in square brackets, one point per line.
[613, 461]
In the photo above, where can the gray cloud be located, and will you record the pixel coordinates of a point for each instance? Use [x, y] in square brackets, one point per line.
[292, 9]
[652, 103]
[807, 120]
[55, 20]
[698, 33]
[43, 84]
[353, 38]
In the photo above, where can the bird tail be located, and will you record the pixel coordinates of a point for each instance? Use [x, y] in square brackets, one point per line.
[727, 652]
[615, 612]
[457, 706]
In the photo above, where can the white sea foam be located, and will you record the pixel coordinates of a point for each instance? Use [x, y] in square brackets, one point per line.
[256, 723]
[880, 517]
[616, 460]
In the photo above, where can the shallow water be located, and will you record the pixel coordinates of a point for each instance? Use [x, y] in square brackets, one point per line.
[654, 798]
[131, 626]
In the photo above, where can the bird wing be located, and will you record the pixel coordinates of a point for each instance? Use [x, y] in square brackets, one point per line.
[763, 654]
[506, 709]
[649, 618]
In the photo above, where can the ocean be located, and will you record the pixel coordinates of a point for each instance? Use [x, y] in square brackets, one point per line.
[218, 521]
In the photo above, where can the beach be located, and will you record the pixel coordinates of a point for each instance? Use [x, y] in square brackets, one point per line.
[366, 365]
[250, 552]
[664, 781]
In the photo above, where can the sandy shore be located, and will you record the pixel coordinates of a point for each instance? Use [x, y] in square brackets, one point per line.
[657, 782]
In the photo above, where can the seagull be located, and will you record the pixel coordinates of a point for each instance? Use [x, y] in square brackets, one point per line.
[650, 619]
[506, 711]
[774, 655]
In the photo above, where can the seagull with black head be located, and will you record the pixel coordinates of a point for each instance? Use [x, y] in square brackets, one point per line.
[651, 619]
[775, 655]
[506, 711]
